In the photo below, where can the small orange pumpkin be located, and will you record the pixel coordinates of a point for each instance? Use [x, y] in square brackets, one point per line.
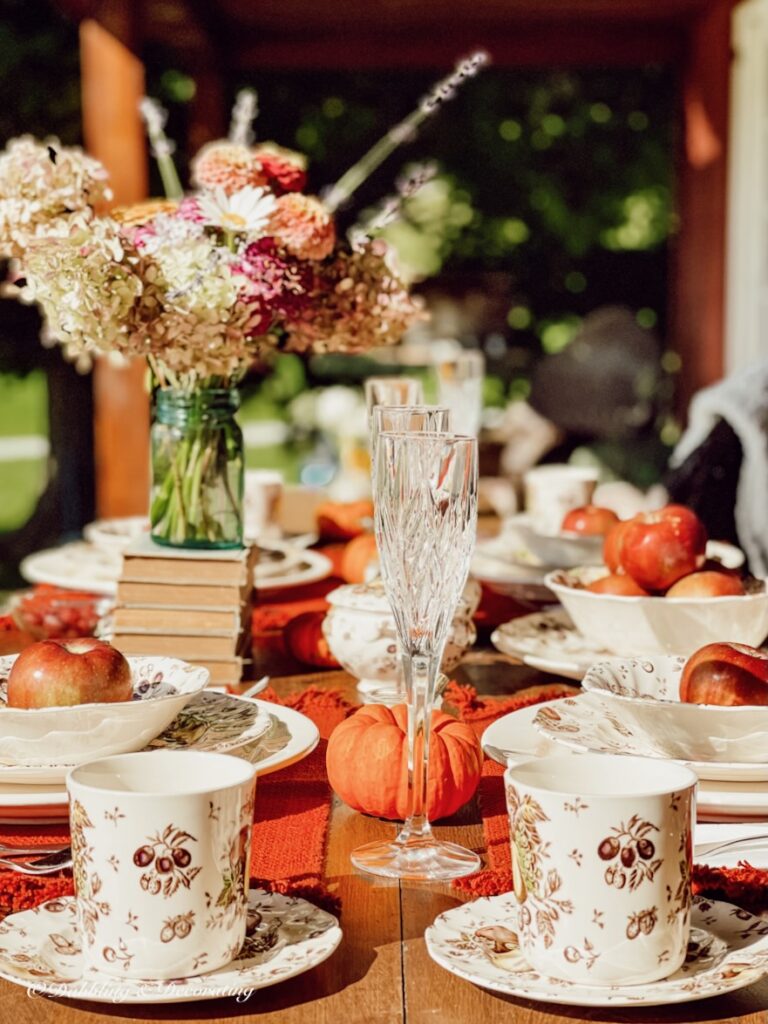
[367, 762]
[303, 638]
[357, 556]
[343, 520]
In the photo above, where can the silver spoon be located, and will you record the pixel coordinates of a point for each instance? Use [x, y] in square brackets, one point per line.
[41, 865]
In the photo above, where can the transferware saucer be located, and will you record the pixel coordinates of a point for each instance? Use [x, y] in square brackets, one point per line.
[286, 936]
[263, 733]
[514, 738]
[728, 950]
[548, 641]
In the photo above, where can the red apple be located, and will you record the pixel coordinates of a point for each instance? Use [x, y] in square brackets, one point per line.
[707, 584]
[730, 675]
[619, 586]
[614, 542]
[60, 673]
[658, 548]
[589, 520]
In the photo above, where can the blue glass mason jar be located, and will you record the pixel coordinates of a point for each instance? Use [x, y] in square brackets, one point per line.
[197, 469]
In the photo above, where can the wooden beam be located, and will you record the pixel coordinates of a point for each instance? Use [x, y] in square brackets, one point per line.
[697, 289]
[568, 44]
[112, 85]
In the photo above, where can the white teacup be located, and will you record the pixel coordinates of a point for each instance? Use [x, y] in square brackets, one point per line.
[160, 850]
[553, 490]
[601, 862]
[262, 492]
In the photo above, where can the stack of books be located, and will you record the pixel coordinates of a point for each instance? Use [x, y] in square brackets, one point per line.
[190, 604]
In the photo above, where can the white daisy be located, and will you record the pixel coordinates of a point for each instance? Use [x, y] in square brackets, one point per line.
[244, 212]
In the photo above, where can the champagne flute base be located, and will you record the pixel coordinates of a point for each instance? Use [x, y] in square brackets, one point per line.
[424, 860]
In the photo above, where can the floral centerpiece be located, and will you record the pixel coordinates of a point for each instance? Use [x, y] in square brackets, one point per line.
[204, 285]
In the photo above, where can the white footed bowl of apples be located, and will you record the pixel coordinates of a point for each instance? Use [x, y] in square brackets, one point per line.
[711, 707]
[63, 702]
[659, 593]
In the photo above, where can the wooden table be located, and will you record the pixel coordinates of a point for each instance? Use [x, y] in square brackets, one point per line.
[382, 974]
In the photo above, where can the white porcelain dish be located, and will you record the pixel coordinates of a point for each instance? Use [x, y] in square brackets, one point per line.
[361, 633]
[76, 566]
[548, 641]
[644, 693]
[658, 625]
[115, 534]
[71, 735]
[42, 950]
[302, 566]
[728, 950]
[268, 735]
[563, 550]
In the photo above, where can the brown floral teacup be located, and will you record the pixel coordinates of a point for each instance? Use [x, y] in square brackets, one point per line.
[160, 850]
[601, 865]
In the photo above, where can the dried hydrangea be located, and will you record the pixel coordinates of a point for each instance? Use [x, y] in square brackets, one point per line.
[359, 303]
[45, 188]
[85, 286]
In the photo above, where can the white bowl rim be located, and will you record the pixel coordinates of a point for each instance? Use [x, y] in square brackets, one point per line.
[555, 584]
[7, 660]
[649, 701]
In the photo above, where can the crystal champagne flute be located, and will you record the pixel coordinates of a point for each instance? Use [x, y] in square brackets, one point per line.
[392, 391]
[400, 419]
[425, 498]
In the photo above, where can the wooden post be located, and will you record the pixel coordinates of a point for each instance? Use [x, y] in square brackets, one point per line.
[698, 282]
[112, 86]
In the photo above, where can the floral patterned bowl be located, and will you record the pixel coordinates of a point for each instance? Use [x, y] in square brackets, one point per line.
[71, 735]
[659, 625]
[360, 630]
[644, 695]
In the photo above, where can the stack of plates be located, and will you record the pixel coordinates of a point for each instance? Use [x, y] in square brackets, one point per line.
[268, 735]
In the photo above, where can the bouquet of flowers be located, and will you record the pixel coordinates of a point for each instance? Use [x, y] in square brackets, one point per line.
[204, 285]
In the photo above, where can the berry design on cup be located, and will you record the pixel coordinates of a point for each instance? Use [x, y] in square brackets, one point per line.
[119, 955]
[535, 886]
[87, 881]
[574, 955]
[633, 853]
[643, 921]
[177, 927]
[167, 861]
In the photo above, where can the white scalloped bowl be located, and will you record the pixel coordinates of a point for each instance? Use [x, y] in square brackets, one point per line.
[658, 625]
[72, 735]
[644, 693]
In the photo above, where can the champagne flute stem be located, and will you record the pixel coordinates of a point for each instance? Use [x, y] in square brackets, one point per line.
[420, 677]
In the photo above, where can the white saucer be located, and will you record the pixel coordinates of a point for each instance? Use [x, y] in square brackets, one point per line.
[301, 566]
[514, 738]
[548, 641]
[728, 951]
[37, 795]
[41, 950]
[76, 566]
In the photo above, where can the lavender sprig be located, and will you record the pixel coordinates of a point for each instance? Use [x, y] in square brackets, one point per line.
[404, 131]
[244, 113]
[390, 208]
[161, 146]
